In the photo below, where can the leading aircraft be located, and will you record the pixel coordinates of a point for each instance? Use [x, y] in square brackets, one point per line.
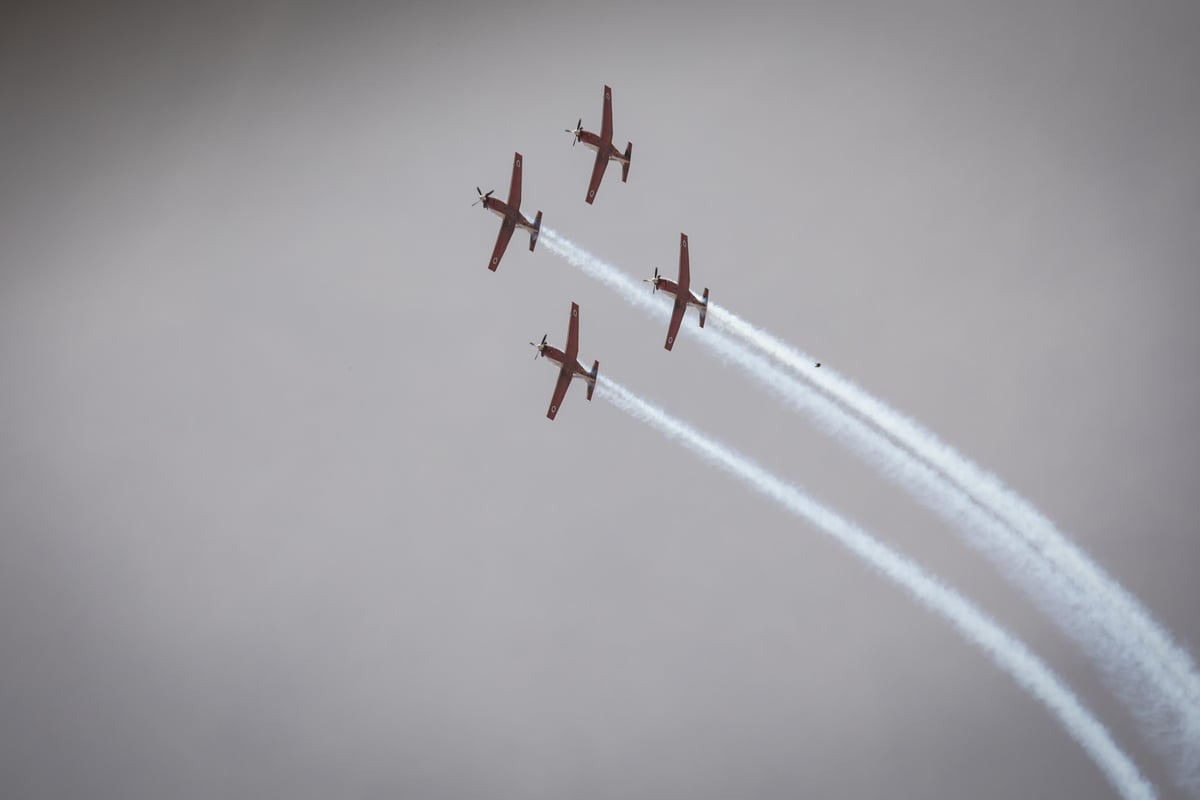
[682, 291]
[568, 363]
[603, 146]
[510, 213]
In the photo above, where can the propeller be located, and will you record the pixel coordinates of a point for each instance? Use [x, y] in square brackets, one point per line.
[540, 347]
[577, 132]
[652, 281]
[482, 196]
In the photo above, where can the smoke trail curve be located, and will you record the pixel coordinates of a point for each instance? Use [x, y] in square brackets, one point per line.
[1080, 601]
[1005, 650]
[1153, 674]
[979, 483]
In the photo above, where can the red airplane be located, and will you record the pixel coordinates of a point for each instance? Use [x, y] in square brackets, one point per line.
[510, 213]
[683, 294]
[568, 363]
[603, 146]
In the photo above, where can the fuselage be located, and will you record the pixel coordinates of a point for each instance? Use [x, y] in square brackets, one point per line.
[594, 142]
[502, 210]
[559, 357]
[671, 287]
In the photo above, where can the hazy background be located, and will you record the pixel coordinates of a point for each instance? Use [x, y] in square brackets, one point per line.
[281, 513]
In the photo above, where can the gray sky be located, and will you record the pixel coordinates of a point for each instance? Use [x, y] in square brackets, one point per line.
[280, 510]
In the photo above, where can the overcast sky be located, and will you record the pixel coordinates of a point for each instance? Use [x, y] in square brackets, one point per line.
[280, 510]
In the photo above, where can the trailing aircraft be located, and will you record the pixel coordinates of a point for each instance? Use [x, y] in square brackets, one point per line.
[682, 291]
[568, 363]
[510, 214]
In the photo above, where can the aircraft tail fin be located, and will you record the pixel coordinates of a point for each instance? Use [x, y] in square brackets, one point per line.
[625, 166]
[592, 379]
[704, 308]
[537, 227]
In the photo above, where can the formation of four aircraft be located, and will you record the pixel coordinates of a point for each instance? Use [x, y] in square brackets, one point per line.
[511, 218]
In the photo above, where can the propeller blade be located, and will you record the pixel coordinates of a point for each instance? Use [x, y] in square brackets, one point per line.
[544, 335]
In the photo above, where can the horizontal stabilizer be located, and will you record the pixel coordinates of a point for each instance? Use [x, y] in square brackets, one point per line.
[592, 379]
[537, 227]
[704, 308]
[625, 166]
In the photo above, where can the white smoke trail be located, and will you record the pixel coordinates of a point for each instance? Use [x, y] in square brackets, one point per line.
[1154, 675]
[1006, 651]
[1090, 607]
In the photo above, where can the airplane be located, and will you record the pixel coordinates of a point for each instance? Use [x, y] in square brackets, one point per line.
[510, 213]
[603, 146]
[683, 294]
[568, 364]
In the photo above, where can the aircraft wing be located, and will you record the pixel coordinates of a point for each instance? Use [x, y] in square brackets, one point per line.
[506, 232]
[676, 318]
[606, 125]
[514, 188]
[572, 351]
[685, 272]
[597, 174]
[560, 390]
